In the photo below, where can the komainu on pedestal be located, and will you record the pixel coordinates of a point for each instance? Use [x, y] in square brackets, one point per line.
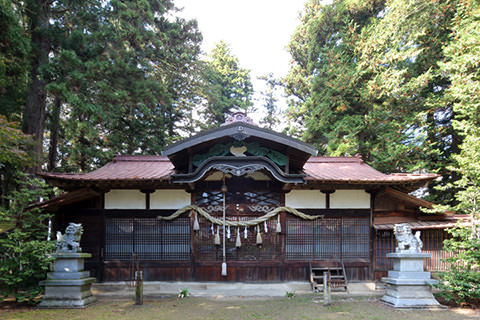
[408, 285]
[68, 286]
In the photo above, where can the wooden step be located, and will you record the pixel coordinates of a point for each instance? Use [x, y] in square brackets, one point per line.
[336, 277]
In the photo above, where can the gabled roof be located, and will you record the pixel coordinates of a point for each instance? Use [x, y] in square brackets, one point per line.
[135, 171]
[239, 131]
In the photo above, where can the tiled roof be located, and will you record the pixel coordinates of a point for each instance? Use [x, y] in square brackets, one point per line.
[124, 168]
[317, 169]
[354, 170]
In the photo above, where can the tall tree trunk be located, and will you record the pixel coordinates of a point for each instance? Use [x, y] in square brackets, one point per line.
[54, 128]
[34, 114]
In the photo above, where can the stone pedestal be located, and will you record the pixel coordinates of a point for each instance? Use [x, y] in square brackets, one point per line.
[69, 285]
[408, 284]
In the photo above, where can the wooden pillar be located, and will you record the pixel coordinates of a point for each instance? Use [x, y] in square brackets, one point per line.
[147, 197]
[371, 269]
[282, 235]
[193, 242]
[102, 239]
[327, 197]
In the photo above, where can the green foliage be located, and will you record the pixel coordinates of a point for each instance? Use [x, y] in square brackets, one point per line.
[23, 249]
[14, 66]
[226, 87]
[123, 74]
[290, 294]
[271, 118]
[107, 77]
[461, 282]
[462, 65]
[183, 293]
[13, 156]
[12, 144]
[365, 79]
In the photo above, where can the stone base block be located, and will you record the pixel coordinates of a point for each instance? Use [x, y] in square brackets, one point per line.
[67, 303]
[69, 292]
[410, 296]
[67, 295]
[412, 303]
[409, 282]
[68, 275]
[409, 275]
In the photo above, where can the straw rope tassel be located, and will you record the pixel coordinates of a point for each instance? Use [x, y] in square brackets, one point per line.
[196, 225]
[279, 225]
[238, 243]
[217, 237]
[259, 236]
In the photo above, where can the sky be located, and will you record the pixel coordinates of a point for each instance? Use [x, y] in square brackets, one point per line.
[257, 31]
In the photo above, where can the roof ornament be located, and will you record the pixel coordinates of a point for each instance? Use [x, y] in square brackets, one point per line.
[238, 117]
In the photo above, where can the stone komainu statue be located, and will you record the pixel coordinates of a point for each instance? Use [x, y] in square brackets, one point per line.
[70, 241]
[406, 241]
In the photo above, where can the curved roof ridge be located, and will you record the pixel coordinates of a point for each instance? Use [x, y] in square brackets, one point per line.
[140, 158]
[326, 159]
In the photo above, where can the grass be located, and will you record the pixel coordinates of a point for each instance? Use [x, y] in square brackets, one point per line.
[231, 309]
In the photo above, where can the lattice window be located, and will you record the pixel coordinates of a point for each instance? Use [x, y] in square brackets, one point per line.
[324, 239]
[384, 243]
[355, 238]
[118, 238]
[149, 238]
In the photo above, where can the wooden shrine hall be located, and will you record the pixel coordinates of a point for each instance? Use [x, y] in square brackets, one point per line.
[260, 202]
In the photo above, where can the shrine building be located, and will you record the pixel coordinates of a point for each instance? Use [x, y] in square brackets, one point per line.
[260, 201]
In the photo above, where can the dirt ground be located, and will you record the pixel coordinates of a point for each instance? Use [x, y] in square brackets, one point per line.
[236, 308]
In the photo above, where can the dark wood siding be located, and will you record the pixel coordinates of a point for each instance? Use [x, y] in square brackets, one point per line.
[113, 235]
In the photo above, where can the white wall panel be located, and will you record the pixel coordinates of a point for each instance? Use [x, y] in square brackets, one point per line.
[124, 199]
[169, 199]
[350, 199]
[306, 199]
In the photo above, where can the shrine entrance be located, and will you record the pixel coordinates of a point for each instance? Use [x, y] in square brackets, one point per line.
[244, 201]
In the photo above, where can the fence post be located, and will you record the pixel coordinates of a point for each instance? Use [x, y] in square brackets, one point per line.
[326, 288]
[139, 287]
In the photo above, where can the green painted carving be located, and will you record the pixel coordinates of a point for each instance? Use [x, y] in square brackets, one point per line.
[253, 148]
[277, 157]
